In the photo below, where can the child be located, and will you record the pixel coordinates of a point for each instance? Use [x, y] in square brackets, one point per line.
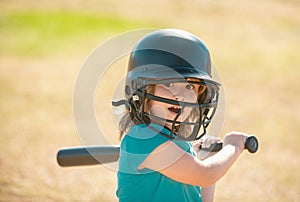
[170, 97]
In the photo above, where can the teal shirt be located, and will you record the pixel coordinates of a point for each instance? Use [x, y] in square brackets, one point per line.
[148, 185]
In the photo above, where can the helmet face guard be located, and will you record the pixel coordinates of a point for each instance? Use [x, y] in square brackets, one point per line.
[201, 111]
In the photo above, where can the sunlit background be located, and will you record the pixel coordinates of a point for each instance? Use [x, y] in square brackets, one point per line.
[255, 45]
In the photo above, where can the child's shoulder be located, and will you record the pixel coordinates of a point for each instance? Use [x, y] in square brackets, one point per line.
[143, 138]
[144, 132]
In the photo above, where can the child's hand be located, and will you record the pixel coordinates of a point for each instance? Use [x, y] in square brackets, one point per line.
[205, 142]
[236, 139]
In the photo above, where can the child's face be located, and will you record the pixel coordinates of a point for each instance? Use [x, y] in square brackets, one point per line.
[185, 92]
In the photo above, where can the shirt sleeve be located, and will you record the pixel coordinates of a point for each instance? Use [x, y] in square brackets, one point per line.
[137, 150]
[138, 144]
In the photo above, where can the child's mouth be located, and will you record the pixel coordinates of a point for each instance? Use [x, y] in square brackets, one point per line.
[174, 109]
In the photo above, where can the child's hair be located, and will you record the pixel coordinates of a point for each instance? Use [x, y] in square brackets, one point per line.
[129, 118]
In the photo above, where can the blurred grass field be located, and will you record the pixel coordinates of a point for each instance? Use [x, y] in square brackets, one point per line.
[255, 45]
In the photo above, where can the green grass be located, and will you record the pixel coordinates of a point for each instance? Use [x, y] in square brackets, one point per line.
[36, 33]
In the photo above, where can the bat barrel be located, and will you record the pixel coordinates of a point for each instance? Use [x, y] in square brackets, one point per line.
[92, 155]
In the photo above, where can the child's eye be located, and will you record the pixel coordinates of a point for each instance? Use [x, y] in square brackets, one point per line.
[190, 87]
[169, 85]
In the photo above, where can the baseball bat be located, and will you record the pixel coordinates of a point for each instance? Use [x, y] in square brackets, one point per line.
[95, 155]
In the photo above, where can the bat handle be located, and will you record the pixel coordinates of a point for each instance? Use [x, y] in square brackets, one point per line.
[251, 145]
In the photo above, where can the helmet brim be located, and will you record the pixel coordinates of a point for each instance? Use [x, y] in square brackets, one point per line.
[160, 73]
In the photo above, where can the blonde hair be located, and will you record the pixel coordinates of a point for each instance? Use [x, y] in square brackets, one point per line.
[129, 119]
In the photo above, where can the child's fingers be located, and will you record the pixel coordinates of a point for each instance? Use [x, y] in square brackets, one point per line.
[209, 140]
[197, 145]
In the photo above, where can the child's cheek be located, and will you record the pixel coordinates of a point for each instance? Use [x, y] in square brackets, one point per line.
[190, 97]
[186, 112]
[158, 110]
[163, 92]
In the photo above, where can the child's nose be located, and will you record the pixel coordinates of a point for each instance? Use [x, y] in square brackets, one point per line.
[178, 98]
[178, 95]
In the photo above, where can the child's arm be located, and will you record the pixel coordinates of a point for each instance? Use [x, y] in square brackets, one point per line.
[179, 165]
[208, 193]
